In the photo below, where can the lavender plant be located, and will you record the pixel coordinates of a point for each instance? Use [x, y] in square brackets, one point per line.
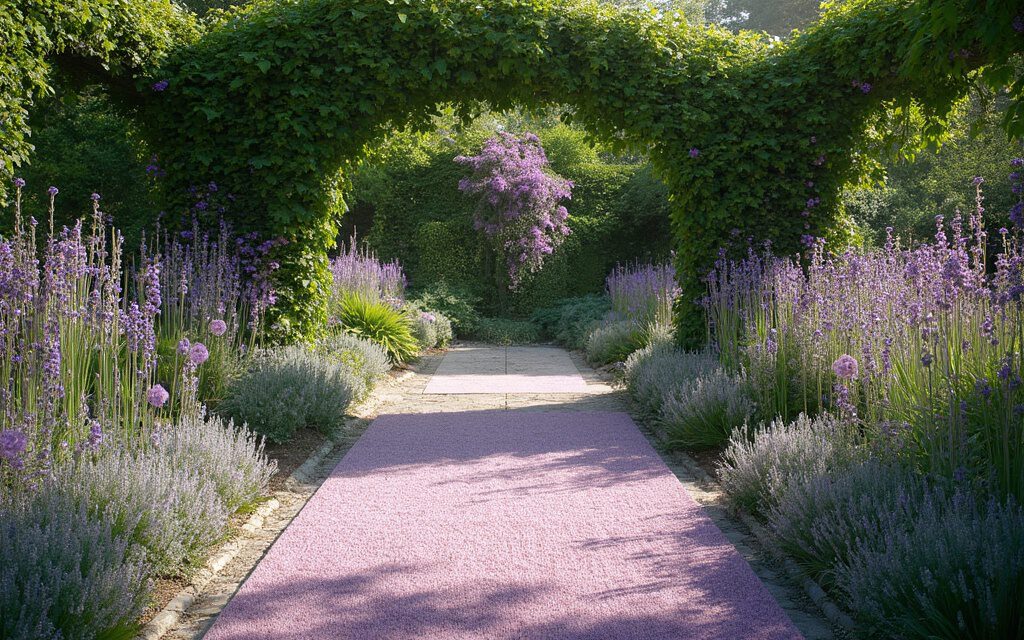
[651, 372]
[701, 412]
[820, 520]
[291, 388]
[166, 505]
[954, 571]
[761, 463]
[229, 456]
[519, 208]
[67, 574]
[643, 293]
[923, 338]
[365, 358]
[357, 270]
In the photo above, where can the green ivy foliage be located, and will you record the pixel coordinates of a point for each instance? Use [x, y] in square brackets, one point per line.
[281, 99]
[278, 100]
[115, 41]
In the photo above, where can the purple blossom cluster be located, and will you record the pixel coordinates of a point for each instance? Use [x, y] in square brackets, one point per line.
[519, 201]
[928, 337]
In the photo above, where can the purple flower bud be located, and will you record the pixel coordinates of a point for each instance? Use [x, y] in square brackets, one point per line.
[52, 191]
[694, 152]
[95, 197]
[19, 182]
[183, 346]
[978, 181]
[160, 85]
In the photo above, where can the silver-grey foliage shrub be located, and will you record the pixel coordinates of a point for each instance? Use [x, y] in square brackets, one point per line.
[760, 463]
[651, 371]
[365, 358]
[169, 507]
[615, 341]
[702, 411]
[956, 571]
[67, 574]
[230, 456]
[821, 520]
[292, 388]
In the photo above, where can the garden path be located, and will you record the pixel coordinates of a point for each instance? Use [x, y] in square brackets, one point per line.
[455, 517]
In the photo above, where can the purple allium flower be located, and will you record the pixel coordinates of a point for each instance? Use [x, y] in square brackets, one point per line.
[19, 182]
[198, 354]
[927, 359]
[12, 445]
[845, 367]
[95, 197]
[218, 327]
[865, 87]
[157, 396]
[160, 85]
[977, 181]
[53, 191]
[694, 152]
[1003, 231]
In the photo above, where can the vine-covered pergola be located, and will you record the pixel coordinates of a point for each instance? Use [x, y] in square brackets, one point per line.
[264, 112]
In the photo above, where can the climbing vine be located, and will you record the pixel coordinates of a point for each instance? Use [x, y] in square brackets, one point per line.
[754, 138]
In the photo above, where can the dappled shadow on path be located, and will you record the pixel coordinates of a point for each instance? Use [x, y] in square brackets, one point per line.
[502, 525]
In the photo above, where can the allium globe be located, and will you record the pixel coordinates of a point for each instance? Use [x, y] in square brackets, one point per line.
[157, 396]
[845, 367]
[198, 354]
[218, 327]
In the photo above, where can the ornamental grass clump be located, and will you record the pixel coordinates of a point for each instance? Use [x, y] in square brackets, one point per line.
[67, 573]
[761, 463]
[291, 388]
[954, 571]
[389, 326]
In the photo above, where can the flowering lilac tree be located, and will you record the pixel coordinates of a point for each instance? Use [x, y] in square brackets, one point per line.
[519, 208]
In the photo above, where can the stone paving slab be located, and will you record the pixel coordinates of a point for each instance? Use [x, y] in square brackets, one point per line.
[506, 370]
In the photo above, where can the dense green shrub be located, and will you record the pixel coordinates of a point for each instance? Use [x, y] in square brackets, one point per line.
[67, 574]
[505, 331]
[290, 388]
[455, 302]
[570, 321]
[701, 412]
[381, 323]
[257, 106]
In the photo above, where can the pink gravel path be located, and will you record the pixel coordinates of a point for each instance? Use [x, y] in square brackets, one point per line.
[502, 525]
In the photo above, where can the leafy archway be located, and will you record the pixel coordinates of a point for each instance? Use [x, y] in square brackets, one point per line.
[265, 113]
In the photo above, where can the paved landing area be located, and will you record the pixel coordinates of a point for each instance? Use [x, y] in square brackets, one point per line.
[493, 369]
[503, 525]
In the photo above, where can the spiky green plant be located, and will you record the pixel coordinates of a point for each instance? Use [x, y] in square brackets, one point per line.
[380, 322]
